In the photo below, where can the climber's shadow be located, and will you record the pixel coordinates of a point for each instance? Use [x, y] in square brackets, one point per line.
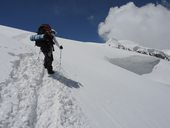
[68, 82]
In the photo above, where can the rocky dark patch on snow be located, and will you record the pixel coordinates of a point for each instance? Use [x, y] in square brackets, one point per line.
[142, 50]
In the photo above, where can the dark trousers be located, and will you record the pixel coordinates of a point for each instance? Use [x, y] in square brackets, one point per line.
[48, 59]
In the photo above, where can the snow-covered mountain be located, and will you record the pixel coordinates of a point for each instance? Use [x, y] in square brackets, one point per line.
[95, 86]
[132, 46]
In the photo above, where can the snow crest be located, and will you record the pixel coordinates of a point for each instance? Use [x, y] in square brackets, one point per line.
[132, 46]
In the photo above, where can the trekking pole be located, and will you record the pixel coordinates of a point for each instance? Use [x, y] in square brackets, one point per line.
[60, 57]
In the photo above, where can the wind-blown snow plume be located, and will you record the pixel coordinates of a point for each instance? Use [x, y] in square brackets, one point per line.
[148, 25]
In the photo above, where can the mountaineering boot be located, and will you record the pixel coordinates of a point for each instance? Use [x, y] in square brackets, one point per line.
[50, 70]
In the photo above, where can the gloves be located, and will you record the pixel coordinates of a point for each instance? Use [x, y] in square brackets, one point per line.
[61, 47]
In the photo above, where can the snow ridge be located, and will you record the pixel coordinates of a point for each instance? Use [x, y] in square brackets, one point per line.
[132, 46]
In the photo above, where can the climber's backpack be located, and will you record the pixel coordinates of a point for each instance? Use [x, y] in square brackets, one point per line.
[42, 30]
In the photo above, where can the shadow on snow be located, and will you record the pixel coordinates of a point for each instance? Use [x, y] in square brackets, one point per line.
[68, 82]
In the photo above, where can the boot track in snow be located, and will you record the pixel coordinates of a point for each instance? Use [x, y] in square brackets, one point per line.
[31, 99]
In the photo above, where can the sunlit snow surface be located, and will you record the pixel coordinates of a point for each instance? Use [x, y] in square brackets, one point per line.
[95, 86]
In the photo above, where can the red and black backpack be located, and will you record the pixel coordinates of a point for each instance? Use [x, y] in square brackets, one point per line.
[43, 29]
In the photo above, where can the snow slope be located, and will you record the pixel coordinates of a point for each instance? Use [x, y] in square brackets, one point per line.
[95, 86]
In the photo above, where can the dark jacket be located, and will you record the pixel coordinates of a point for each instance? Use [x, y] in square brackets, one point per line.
[47, 44]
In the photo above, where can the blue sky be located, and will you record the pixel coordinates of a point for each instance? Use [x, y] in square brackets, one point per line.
[72, 19]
